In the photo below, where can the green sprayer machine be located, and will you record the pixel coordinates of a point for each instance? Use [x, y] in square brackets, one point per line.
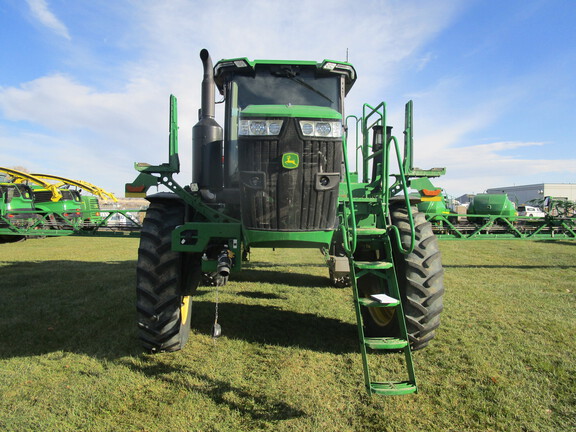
[277, 176]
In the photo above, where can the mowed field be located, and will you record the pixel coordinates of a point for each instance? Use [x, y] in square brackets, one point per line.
[504, 358]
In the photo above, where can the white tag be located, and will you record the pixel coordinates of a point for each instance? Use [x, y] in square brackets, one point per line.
[383, 298]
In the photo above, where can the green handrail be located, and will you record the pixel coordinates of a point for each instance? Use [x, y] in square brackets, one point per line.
[376, 116]
[349, 243]
[394, 228]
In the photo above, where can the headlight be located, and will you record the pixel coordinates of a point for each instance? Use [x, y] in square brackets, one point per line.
[323, 129]
[274, 127]
[330, 129]
[307, 128]
[259, 127]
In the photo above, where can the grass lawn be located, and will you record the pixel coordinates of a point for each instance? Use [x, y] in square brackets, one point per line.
[504, 358]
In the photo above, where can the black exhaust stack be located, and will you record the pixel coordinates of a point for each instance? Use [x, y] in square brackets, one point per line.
[207, 141]
[208, 98]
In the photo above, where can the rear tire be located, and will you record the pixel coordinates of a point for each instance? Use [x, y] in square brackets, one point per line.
[420, 278]
[420, 281]
[165, 280]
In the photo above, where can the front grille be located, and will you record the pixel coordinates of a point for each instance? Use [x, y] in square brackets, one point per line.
[280, 199]
[42, 196]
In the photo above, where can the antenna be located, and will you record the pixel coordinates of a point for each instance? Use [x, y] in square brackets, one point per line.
[346, 55]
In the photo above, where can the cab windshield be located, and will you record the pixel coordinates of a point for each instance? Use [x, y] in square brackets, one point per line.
[288, 85]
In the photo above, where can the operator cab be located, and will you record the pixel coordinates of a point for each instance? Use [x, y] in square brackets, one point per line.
[261, 93]
[282, 147]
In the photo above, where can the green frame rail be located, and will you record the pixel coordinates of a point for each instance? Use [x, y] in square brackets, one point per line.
[495, 227]
[42, 225]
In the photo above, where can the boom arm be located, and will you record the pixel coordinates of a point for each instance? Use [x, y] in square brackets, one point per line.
[95, 190]
[20, 177]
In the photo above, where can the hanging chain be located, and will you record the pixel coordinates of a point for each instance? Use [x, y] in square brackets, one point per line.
[216, 329]
[217, 301]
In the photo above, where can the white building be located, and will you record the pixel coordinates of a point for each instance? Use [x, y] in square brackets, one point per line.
[526, 193]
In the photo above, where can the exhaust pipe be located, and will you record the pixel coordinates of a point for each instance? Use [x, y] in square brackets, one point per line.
[207, 136]
[208, 98]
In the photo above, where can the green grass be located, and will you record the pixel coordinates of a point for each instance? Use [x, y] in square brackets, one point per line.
[503, 360]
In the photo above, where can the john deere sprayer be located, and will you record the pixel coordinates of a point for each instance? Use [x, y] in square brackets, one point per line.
[276, 175]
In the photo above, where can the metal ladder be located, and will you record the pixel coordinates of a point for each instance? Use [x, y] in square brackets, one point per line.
[372, 230]
[382, 269]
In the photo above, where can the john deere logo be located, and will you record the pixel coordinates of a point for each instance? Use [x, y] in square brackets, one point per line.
[290, 160]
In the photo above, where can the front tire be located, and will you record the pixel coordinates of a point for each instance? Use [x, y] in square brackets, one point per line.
[165, 280]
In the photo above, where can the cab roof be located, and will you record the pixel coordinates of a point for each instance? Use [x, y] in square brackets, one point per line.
[243, 66]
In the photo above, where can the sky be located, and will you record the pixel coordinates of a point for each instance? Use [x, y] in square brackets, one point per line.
[85, 85]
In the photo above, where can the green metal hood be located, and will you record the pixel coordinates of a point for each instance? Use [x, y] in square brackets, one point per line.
[300, 111]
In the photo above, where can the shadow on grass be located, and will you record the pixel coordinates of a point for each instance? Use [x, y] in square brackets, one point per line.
[503, 266]
[271, 325]
[89, 308]
[75, 306]
[301, 280]
[250, 403]
[260, 295]
[559, 242]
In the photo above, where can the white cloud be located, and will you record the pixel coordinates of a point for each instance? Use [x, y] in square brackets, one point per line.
[59, 103]
[79, 123]
[97, 134]
[379, 36]
[473, 169]
[42, 13]
[450, 115]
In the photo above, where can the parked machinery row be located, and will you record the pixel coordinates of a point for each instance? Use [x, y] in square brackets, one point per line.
[495, 216]
[34, 203]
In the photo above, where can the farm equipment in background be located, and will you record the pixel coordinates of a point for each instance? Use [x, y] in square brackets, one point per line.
[495, 217]
[16, 209]
[34, 206]
[559, 207]
[90, 211]
[277, 175]
[39, 220]
[59, 209]
[483, 205]
[64, 214]
[431, 198]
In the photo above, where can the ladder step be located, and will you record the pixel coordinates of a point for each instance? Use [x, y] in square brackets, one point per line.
[393, 388]
[367, 302]
[385, 343]
[373, 265]
[371, 231]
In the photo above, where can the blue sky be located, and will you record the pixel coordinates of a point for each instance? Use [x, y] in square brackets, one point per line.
[84, 85]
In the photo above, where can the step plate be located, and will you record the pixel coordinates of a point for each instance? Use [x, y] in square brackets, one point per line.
[385, 343]
[371, 231]
[393, 388]
[373, 265]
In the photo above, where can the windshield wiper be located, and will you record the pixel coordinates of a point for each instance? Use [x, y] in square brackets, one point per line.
[309, 87]
[288, 72]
